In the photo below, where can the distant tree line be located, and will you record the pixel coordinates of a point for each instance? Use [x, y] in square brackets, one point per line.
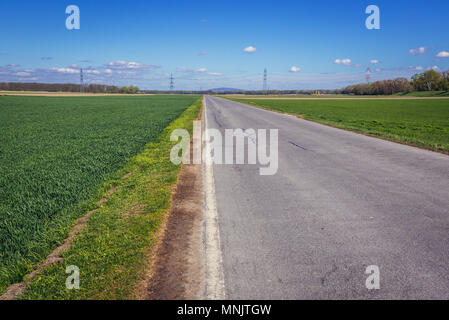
[426, 81]
[66, 87]
[131, 89]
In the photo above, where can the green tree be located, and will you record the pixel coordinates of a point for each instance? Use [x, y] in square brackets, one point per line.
[426, 81]
[443, 84]
[431, 79]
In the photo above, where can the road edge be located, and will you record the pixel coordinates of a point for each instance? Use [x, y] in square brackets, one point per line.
[214, 286]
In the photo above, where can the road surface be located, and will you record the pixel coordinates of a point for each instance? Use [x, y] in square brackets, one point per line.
[339, 202]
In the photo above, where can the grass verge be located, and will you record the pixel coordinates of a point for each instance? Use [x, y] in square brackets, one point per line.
[421, 122]
[112, 251]
[425, 94]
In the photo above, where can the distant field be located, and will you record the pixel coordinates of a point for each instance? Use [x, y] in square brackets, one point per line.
[425, 94]
[411, 96]
[54, 154]
[419, 122]
[58, 94]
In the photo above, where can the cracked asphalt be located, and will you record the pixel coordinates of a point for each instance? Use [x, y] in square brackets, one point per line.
[339, 202]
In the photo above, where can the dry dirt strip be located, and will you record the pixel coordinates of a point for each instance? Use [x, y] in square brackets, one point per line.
[188, 261]
[177, 271]
[177, 268]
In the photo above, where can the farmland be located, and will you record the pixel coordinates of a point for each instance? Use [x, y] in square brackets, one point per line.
[56, 153]
[426, 94]
[420, 122]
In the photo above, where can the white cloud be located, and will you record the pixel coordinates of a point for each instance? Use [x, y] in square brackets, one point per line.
[435, 68]
[117, 63]
[250, 49]
[92, 71]
[418, 51]
[123, 73]
[443, 54]
[126, 72]
[346, 62]
[201, 70]
[202, 53]
[120, 64]
[64, 70]
[294, 69]
[134, 65]
[188, 70]
[417, 68]
[375, 61]
[23, 74]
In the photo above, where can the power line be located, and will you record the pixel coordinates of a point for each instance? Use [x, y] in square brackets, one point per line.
[172, 85]
[368, 74]
[265, 80]
[81, 80]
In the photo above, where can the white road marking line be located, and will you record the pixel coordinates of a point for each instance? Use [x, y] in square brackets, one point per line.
[215, 288]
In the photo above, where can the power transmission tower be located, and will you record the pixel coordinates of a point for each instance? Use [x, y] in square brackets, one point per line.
[81, 81]
[171, 81]
[265, 80]
[368, 74]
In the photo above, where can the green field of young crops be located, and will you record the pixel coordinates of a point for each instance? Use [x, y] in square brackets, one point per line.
[55, 152]
[419, 122]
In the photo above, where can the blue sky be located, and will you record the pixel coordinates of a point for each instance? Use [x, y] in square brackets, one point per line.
[303, 44]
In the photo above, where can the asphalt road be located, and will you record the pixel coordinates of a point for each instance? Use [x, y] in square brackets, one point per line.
[338, 203]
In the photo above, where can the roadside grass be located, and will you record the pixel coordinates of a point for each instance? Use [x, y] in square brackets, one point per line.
[424, 94]
[54, 154]
[112, 252]
[423, 123]
[414, 94]
[289, 96]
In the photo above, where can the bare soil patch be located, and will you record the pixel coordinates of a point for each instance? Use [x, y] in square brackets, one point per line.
[177, 268]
